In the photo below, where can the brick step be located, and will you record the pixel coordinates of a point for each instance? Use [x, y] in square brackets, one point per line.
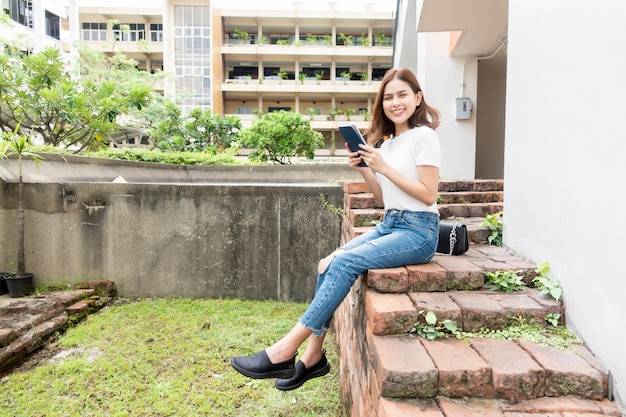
[446, 273]
[389, 314]
[27, 323]
[366, 200]
[412, 367]
[469, 209]
[357, 187]
[470, 197]
[470, 185]
[456, 407]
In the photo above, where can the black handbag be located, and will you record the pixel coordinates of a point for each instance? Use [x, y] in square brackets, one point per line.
[453, 238]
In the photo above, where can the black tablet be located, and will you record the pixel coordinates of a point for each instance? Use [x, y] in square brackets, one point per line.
[353, 138]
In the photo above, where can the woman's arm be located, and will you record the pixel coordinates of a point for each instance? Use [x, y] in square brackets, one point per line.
[425, 189]
[354, 159]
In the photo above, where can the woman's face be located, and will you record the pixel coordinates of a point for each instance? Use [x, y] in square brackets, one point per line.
[399, 103]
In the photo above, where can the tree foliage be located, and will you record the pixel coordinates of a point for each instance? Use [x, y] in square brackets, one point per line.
[199, 131]
[37, 94]
[279, 136]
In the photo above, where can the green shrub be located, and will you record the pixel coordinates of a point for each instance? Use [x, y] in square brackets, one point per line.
[278, 136]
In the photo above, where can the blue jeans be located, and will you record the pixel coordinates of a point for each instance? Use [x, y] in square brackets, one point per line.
[402, 238]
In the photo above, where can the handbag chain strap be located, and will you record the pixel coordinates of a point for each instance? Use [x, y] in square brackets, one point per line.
[452, 238]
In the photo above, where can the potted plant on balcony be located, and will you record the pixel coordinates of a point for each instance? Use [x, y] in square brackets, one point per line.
[282, 75]
[348, 112]
[14, 143]
[380, 38]
[346, 40]
[365, 39]
[241, 35]
[319, 75]
[345, 76]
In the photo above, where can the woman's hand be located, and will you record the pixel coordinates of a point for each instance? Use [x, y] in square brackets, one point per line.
[372, 158]
[354, 159]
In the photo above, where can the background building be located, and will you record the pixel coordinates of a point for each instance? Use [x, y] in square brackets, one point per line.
[326, 64]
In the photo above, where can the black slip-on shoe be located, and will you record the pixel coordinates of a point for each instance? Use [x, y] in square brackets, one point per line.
[259, 366]
[303, 374]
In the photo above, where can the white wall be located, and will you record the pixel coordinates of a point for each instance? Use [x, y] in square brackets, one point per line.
[441, 77]
[565, 160]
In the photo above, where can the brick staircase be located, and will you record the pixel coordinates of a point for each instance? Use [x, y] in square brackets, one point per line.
[27, 323]
[387, 372]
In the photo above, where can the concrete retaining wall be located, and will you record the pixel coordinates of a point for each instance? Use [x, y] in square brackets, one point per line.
[187, 239]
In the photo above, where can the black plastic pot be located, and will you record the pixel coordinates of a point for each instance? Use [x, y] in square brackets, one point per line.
[19, 286]
[3, 284]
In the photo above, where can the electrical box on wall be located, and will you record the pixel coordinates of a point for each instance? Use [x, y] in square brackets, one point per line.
[463, 108]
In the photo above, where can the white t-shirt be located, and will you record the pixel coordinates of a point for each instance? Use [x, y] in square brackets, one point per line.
[417, 146]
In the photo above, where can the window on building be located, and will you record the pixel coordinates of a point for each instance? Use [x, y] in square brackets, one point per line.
[93, 31]
[192, 56]
[129, 32]
[273, 109]
[244, 110]
[156, 32]
[53, 26]
[20, 11]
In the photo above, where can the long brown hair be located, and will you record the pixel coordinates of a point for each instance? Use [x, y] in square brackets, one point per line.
[381, 126]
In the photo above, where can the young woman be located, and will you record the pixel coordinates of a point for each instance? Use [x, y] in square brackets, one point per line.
[403, 173]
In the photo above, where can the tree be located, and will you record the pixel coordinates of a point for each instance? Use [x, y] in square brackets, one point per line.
[199, 131]
[37, 95]
[278, 136]
[12, 143]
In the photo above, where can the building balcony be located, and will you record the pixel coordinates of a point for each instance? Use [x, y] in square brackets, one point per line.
[319, 123]
[304, 52]
[296, 86]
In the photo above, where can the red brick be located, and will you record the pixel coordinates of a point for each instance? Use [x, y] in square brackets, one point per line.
[403, 367]
[462, 372]
[520, 305]
[359, 201]
[364, 217]
[566, 372]
[609, 408]
[439, 303]
[389, 313]
[388, 279]
[516, 376]
[78, 307]
[491, 265]
[554, 404]
[479, 311]
[493, 251]
[395, 408]
[7, 336]
[355, 187]
[462, 274]
[427, 277]
[549, 303]
[469, 407]
[516, 414]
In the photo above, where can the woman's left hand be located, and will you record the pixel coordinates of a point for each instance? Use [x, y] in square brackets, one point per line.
[372, 157]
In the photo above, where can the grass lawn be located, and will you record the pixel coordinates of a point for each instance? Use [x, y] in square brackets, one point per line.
[167, 357]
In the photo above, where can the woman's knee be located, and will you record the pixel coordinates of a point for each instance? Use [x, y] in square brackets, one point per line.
[323, 265]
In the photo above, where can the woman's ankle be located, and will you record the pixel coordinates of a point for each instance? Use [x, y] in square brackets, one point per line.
[277, 354]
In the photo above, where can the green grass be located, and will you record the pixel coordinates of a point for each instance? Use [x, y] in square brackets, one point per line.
[168, 357]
